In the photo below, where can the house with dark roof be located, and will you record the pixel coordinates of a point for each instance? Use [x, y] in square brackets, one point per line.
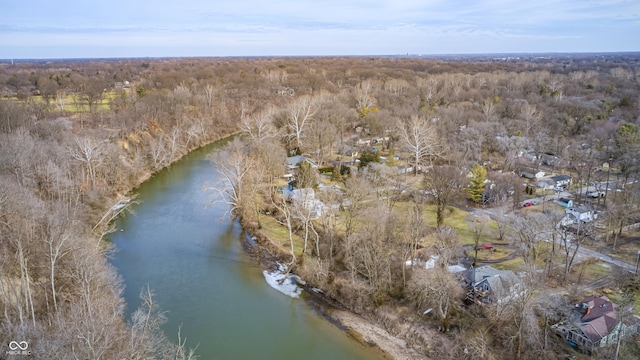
[490, 285]
[594, 323]
[293, 162]
[562, 181]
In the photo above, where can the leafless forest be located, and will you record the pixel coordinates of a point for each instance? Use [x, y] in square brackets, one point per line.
[77, 136]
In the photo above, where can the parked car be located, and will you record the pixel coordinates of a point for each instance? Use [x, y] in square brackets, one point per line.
[595, 194]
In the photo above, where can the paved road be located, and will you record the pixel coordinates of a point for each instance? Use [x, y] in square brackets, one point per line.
[583, 252]
[606, 258]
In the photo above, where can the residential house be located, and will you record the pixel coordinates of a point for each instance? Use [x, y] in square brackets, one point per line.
[431, 263]
[305, 202]
[549, 160]
[595, 323]
[531, 173]
[561, 181]
[577, 215]
[286, 91]
[293, 162]
[582, 213]
[490, 285]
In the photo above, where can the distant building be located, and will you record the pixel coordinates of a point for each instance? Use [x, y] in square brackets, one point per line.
[561, 181]
[530, 173]
[286, 91]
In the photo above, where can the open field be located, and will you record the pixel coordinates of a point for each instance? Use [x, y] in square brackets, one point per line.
[72, 103]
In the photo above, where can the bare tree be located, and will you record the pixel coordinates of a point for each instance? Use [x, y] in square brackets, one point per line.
[233, 163]
[146, 323]
[384, 181]
[209, 93]
[305, 209]
[57, 237]
[357, 189]
[299, 113]
[477, 230]
[89, 152]
[571, 239]
[488, 109]
[372, 249]
[259, 126]
[285, 217]
[531, 117]
[421, 140]
[158, 153]
[529, 231]
[321, 134]
[444, 184]
[61, 100]
[365, 100]
[413, 232]
[437, 288]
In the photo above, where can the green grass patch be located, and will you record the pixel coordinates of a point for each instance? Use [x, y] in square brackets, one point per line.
[513, 264]
[73, 103]
[498, 253]
[626, 248]
[592, 272]
[279, 234]
[616, 298]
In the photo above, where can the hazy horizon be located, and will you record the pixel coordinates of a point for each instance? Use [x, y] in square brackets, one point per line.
[194, 28]
[425, 56]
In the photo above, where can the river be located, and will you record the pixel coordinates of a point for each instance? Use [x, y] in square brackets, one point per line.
[192, 258]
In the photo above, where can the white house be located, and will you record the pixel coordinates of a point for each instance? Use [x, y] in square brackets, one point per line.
[305, 201]
[582, 213]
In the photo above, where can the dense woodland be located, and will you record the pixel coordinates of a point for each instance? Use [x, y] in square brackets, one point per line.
[77, 137]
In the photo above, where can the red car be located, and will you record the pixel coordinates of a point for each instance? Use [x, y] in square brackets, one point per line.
[527, 204]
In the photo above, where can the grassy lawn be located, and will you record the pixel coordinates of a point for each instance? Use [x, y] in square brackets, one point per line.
[499, 252]
[513, 264]
[77, 106]
[616, 297]
[626, 248]
[591, 272]
[280, 235]
[454, 218]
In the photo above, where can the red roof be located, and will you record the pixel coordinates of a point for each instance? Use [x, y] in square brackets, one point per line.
[600, 317]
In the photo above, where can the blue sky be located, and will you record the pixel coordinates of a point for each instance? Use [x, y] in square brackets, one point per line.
[135, 28]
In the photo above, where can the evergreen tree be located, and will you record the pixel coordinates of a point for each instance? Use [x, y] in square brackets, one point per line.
[476, 183]
[367, 157]
[306, 176]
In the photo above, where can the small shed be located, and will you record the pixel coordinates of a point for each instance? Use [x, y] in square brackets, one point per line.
[565, 202]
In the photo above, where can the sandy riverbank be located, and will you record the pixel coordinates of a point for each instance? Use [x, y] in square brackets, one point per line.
[375, 335]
